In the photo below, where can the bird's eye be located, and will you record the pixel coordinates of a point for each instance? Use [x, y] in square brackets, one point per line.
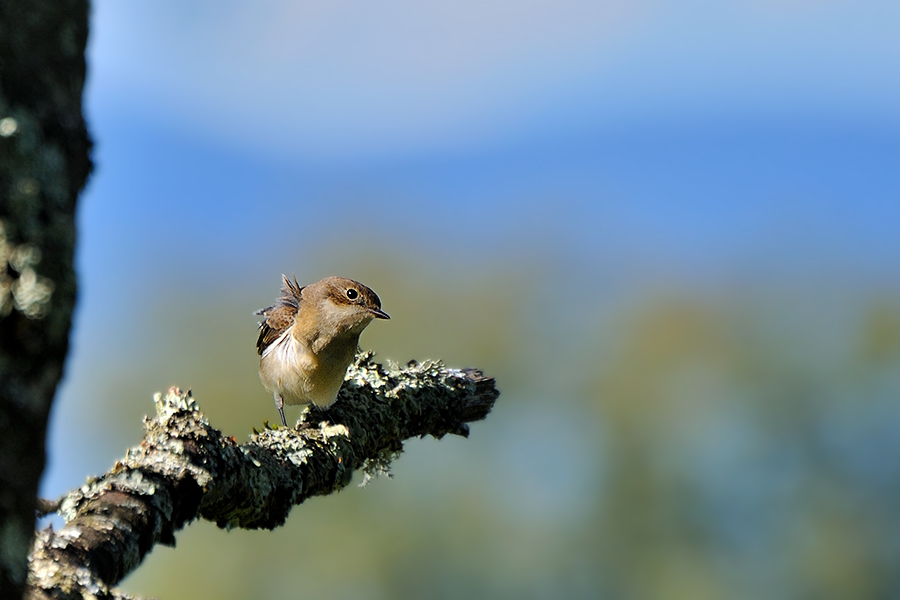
[352, 294]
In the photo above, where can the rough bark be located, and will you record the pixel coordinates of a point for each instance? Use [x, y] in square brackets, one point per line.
[44, 164]
[185, 469]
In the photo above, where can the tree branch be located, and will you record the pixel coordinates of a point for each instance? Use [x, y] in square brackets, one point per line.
[185, 469]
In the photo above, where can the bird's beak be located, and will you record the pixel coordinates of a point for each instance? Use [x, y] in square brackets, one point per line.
[379, 314]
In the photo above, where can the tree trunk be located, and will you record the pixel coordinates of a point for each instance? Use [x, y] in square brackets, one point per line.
[44, 164]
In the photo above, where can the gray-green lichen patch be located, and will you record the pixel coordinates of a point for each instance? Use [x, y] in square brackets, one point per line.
[21, 288]
[379, 465]
[133, 482]
[285, 445]
[174, 402]
[8, 126]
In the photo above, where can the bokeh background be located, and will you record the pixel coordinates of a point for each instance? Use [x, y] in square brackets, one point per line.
[669, 230]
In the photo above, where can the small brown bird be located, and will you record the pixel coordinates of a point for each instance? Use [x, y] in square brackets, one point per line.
[309, 336]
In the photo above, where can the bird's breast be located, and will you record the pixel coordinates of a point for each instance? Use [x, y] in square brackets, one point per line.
[290, 368]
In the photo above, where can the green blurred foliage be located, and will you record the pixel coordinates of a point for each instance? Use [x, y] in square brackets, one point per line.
[662, 445]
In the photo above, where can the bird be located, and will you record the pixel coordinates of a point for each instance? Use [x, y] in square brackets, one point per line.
[309, 336]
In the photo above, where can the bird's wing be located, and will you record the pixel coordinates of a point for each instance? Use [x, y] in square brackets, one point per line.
[278, 317]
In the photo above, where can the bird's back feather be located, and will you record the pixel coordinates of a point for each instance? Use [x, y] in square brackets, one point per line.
[278, 317]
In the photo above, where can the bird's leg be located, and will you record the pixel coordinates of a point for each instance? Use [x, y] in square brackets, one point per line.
[279, 404]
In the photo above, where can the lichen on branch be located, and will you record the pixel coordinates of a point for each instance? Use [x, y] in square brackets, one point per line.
[185, 469]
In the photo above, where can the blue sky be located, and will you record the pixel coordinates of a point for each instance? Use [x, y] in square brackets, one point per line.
[346, 81]
[738, 118]
[692, 142]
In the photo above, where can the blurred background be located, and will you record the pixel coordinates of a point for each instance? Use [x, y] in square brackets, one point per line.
[668, 229]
